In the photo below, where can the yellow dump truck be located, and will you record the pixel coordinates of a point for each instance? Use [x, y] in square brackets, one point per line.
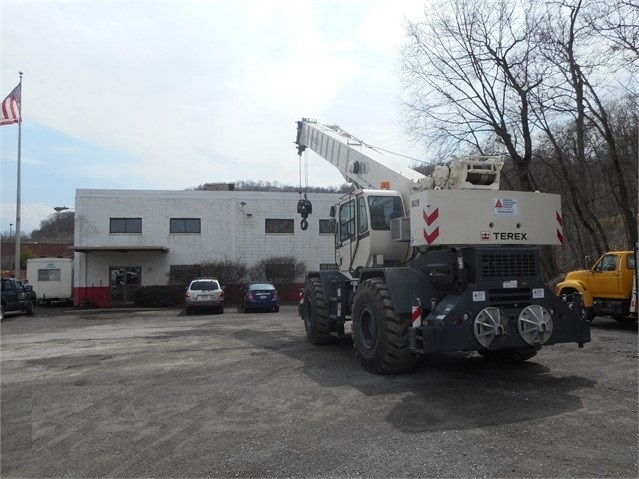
[607, 287]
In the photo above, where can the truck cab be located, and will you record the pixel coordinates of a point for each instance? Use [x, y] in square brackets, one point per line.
[17, 297]
[363, 236]
[606, 287]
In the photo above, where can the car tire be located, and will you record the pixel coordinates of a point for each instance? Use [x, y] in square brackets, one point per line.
[276, 309]
[30, 309]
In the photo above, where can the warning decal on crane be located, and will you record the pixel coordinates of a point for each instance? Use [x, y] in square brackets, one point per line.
[431, 217]
[560, 227]
[505, 206]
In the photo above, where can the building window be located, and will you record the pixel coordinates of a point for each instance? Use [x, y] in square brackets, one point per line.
[126, 225]
[185, 225]
[328, 266]
[326, 226]
[279, 226]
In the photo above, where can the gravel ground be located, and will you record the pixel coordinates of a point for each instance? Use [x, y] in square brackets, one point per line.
[159, 394]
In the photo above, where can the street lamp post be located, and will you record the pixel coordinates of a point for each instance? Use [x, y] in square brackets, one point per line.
[14, 243]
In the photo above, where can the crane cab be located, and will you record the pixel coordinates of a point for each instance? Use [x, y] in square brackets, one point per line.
[363, 230]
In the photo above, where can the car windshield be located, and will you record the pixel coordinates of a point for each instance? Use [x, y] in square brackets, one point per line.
[204, 285]
[261, 286]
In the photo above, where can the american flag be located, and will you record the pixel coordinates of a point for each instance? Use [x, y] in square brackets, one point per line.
[11, 107]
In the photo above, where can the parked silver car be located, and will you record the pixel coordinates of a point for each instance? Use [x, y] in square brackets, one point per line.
[204, 293]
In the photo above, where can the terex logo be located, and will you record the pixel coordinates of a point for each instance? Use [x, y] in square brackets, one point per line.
[510, 236]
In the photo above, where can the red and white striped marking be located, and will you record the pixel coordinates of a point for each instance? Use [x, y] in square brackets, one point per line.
[560, 227]
[417, 316]
[431, 217]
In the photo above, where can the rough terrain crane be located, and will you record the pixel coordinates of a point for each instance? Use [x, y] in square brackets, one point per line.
[444, 262]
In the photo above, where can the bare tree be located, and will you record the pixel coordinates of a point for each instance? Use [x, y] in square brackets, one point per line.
[226, 271]
[580, 63]
[55, 226]
[469, 71]
[280, 270]
[528, 80]
[618, 23]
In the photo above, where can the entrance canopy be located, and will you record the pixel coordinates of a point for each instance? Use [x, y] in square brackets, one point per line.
[119, 249]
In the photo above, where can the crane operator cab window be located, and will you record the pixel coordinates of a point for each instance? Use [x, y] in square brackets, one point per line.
[346, 221]
[362, 218]
[383, 209]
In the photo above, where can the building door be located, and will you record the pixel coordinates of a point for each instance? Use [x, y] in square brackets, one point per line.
[123, 282]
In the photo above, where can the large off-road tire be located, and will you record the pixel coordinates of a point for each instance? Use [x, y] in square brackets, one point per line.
[315, 313]
[380, 335]
[513, 355]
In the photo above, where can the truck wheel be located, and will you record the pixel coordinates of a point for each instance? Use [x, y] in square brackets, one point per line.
[30, 308]
[624, 319]
[588, 314]
[513, 355]
[380, 335]
[315, 313]
[2, 312]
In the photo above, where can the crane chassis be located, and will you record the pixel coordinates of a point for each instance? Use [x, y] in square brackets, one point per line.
[445, 262]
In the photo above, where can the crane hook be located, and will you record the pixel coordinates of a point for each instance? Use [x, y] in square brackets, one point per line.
[304, 208]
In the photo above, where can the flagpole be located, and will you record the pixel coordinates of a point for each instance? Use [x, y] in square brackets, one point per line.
[16, 265]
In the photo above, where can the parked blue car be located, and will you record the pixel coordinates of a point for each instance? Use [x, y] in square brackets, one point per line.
[258, 295]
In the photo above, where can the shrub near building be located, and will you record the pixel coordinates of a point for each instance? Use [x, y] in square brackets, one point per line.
[282, 271]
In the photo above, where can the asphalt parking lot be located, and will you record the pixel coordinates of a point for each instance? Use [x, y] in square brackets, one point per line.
[160, 394]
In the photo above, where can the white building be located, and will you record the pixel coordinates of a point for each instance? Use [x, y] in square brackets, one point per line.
[130, 238]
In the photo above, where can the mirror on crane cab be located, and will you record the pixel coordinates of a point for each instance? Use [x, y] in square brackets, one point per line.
[332, 212]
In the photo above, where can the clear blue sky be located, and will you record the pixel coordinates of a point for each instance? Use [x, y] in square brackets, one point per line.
[174, 94]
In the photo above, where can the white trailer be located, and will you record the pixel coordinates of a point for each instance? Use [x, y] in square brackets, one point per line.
[51, 278]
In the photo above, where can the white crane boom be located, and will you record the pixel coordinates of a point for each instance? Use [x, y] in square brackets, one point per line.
[359, 163]
[369, 167]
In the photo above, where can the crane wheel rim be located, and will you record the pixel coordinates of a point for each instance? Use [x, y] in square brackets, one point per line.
[535, 324]
[491, 327]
